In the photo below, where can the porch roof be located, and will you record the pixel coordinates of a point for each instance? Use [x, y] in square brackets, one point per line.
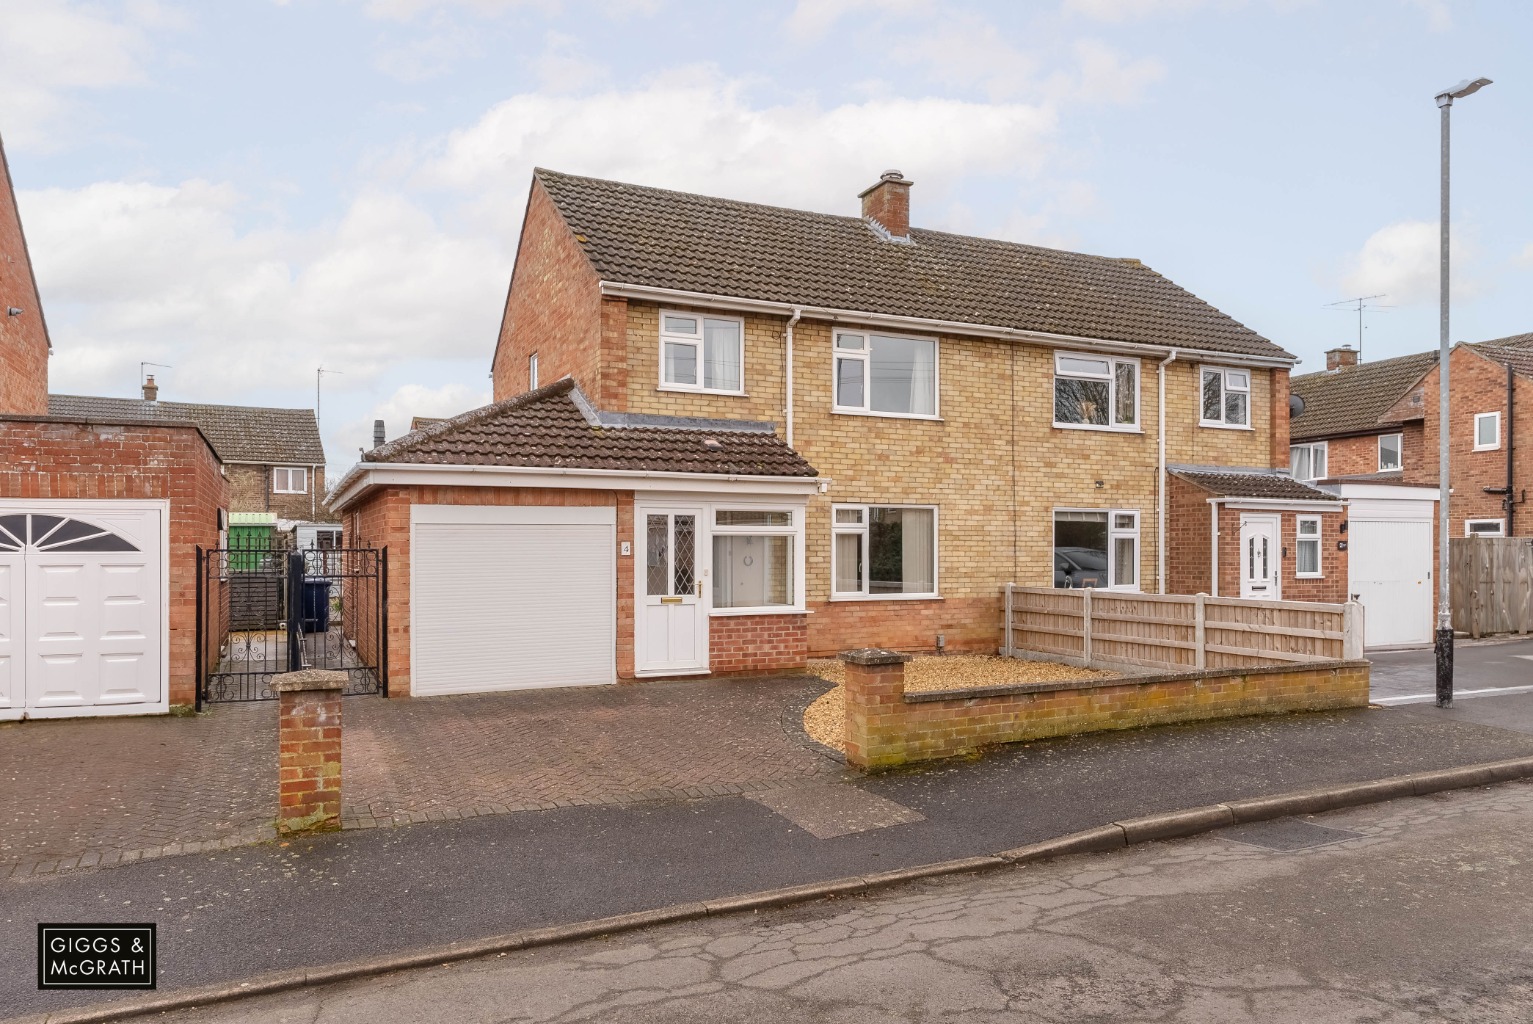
[1252, 484]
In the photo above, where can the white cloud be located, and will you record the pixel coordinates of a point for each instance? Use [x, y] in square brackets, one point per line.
[1118, 11]
[1401, 261]
[812, 19]
[1103, 75]
[1526, 258]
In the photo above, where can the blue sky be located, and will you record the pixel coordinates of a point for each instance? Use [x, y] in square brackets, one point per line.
[248, 190]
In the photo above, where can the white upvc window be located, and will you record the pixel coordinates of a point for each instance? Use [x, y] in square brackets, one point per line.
[1096, 392]
[1307, 461]
[290, 480]
[756, 561]
[1390, 446]
[702, 353]
[1485, 527]
[885, 375]
[883, 551]
[1487, 431]
[1096, 548]
[1226, 397]
[1307, 543]
[532, 372]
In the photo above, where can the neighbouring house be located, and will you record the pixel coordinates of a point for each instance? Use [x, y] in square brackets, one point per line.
[101, 512]
[638, 500]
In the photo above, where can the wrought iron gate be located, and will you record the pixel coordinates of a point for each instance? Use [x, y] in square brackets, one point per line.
[264, 612]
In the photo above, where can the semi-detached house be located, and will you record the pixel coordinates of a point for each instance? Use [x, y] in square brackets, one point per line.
[728, 436]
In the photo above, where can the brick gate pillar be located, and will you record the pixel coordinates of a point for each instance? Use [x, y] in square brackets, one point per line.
[875, 705]
[309, 750]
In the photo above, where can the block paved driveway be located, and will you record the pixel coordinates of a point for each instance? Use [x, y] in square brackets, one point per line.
[103, 791]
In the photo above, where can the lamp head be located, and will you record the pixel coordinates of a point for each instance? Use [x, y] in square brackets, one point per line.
[1468, 87]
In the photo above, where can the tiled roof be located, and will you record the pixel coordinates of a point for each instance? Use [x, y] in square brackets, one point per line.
[1353, 399]
[1518, 358]
[418, 422]
[238, 433]
[1272, 486]
[654, 237]
[555, 427]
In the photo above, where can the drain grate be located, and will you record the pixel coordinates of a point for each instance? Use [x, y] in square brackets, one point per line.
[1287, 834]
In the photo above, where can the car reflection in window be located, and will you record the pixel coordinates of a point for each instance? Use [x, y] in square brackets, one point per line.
[1075, 568]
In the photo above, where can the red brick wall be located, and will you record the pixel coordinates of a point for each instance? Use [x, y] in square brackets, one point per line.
[51, 459]
[757, 643]
[1330, 588]
[24, 338]
[970, 624]
[553, 307]
[1189, 544]
[1349, 456]
[250, 490]
[1278, 413]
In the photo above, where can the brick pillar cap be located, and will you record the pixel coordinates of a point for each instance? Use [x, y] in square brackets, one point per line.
[874, 656]
[309, 679]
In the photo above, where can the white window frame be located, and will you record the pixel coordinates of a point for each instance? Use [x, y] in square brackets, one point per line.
[288, 471]
[794, 529]
[1112, 391]
[1224, 388]
[1500, 525]
[1113, 533]
[1313, 446]
[865, 354]
[532, 372]
[1399, 453]
[696, 341]
[1487, 416]
[1300, 539]
[861, 529]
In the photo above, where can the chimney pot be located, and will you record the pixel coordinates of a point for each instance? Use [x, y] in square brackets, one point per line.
[378, 433]
[887, 204]
[151, 389]
[1344, 355]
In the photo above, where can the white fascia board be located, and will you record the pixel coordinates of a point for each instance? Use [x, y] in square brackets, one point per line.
[908, 323]
[411, 474]
[1374, 492]
[1287, 505]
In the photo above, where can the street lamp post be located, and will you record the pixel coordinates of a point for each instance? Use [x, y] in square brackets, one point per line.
[1444, 644]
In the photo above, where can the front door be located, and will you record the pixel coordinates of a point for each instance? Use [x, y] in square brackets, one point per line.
[671, 628]
[1259, 553]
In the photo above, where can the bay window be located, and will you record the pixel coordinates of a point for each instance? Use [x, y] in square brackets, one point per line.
[883, 551]
[702, 353]
[1095, 391]
[1226, 397]
[885, 374]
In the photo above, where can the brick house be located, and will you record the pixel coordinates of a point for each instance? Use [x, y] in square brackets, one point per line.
[100, 517]
[976, 412]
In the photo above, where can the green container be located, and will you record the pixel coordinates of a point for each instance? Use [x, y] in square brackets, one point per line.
[249, 547]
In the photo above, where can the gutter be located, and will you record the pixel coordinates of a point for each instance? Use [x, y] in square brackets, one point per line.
[653, 294]
[1160, 477]
[788, 378]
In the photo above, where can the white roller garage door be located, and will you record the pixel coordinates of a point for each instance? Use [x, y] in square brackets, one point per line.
[511, 598]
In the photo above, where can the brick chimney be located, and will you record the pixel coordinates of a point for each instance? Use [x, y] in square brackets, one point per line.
[887, 204]
[151, 389]
[1336, 358]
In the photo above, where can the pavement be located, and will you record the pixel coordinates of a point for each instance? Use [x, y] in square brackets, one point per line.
[230, 914]
[1407, 912]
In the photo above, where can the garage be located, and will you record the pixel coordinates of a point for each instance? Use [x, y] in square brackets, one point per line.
[1390, 530]
[83, 616]
[512, 597]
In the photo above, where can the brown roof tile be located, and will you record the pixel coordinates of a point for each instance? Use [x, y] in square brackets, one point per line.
[1272, 486]
[551, 427]
[238, 433]
[654, 237]
[1353, 399]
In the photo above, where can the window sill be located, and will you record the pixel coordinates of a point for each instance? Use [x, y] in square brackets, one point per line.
[1225, 426]
[1309, 576]
[290, 492]
[886, 597]
[684, 390]
[1099, 428]
[1486, 448]
[836, 411]
[728, 613]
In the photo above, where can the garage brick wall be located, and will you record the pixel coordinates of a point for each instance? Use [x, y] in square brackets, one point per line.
[1330, 588]
[24, 338]
[1189, 539]
[55, 459]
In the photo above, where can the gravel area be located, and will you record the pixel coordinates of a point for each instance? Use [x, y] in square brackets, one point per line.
[825, 719]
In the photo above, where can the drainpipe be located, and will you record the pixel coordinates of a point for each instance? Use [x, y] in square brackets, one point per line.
[788, 384]
[1213, 506]
[1511, 504]
[313, 494]
[1160, 481]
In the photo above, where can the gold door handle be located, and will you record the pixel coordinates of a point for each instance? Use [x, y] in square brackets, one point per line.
[699, 588]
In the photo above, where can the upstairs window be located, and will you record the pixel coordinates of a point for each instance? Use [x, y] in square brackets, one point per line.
[1389, 452]
[702, 353]
[1487, 431]
[1226, 397]
[1307, 461]
[1095, 391]
[885, 374]
[290, 480]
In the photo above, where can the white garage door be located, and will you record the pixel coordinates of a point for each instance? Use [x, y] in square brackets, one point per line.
[1390, 564]
[510, 598]
[82, 617]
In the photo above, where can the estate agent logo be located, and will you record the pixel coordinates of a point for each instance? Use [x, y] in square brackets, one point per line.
[95, 956]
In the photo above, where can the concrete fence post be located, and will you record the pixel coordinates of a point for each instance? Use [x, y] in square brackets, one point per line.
[1352, 630]
[1006, 625]
[875, 705]
[1086, 626]
[309, 750]
[1200, 631]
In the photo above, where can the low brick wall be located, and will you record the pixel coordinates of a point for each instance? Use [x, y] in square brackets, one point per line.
[885, 726]
[309, 750]
[757, 643]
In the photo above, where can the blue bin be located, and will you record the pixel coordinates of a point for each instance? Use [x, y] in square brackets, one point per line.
[316, 606]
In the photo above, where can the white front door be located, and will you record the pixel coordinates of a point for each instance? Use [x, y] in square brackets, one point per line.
[1259, 558]
[671, 627]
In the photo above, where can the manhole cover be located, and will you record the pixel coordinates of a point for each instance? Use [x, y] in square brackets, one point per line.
[1288, 834]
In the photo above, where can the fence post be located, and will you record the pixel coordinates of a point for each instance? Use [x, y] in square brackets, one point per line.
[1086, 625]
[1006, 626]
[383, 614]
[1352, 627]
[1200, 632]
[201, 642]
[295, 569]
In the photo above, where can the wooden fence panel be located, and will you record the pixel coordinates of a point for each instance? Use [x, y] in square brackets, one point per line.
[1490, 584]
